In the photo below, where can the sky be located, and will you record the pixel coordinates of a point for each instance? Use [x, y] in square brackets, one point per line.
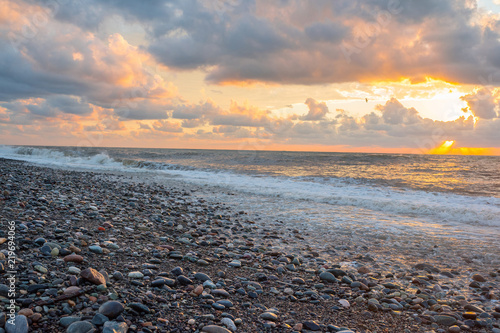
[402, 76]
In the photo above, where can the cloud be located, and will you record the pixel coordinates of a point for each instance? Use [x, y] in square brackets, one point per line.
[386, 40]
[82, 69]
[195, 111]
[394, 113]
[295, 41]
[68, 104]
[193, 123]
[326, 32]
[142, 109]
[53, 106]
[60, 58]
[143, 126]
[241, 115]
[317, 111]
[482, 104]
[167, 126]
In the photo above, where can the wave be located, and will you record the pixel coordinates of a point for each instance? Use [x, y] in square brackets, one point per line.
[446, 208]
[80, 158]
[53, 157]
[442, 207]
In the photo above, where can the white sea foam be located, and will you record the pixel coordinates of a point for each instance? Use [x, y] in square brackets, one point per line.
[53, 157]
[443, 207]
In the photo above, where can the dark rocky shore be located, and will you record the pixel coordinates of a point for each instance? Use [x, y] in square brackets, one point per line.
[95, 253]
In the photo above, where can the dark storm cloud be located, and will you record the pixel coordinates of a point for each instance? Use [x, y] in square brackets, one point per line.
[142, 110]
[257, 46]
[72, 66]
[308, 42]
[52, 106]
[19, 78]
[67, 104]
[325, 32]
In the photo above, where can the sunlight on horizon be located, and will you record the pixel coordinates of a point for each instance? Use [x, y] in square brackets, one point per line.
[447, 148]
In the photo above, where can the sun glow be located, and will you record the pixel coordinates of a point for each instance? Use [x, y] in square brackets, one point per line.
[447, 148]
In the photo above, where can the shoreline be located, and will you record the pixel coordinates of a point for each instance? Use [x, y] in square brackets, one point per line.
[283, 282]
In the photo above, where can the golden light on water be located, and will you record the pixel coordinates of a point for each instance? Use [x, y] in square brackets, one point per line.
[447, 148]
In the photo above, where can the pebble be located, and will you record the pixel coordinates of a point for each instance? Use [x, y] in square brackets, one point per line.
[41, 269]
[209, 284]
[311, 325]
[135, 275]
[473, 308]
[96, 249]
[139, 307]
[137, 226]
[177, 271]
[81, 327]
[345, 303]
[298, 281]
[20, 325]
[73, 258]
[215, 329]
[54, 252]
[445, 320]
[74, 270]
[202, 277]
[99, 319]
[4, 290]
[184, 280]
[93, 276]
[235, 263]
[198, 290]
[478, 278]
[229, 324]
[115, 327]
[363, 270]
[66, 321]
[269, 316]
[163, 281]
[25, 312]
[220, 292]
[111, 309]
[328, 277]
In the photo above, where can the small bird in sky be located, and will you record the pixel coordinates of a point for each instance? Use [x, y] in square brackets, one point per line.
[366, 99]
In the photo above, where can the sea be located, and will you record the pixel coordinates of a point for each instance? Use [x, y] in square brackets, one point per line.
[387, 197]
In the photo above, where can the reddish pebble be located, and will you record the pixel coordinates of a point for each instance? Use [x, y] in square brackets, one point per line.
[25, 312]
[101, 229]
[73, 258]
[478, 278]
[363, 270]
[36, 317]
[71, 290]
[198, 290]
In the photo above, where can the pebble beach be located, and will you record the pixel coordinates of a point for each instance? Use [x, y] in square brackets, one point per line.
[111, 252]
